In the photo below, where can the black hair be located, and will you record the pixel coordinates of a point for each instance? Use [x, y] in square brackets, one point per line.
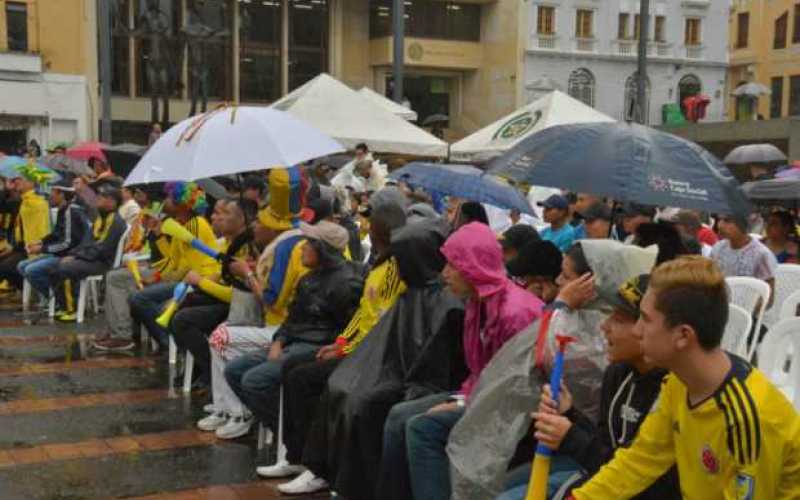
[575, 253]
[786, 220]
[249, 208]
[471, 211]
[665, 236]
[362, 145]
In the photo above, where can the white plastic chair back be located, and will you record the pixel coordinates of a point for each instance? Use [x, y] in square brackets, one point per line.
[734, 339]
[779, 357]
[790, 305]
[752, 295]
[787, 281]
[121, 246]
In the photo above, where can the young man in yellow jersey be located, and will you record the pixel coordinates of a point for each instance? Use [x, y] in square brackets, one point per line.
[732, 434]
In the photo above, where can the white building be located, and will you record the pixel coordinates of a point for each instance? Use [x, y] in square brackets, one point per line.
[589, 48]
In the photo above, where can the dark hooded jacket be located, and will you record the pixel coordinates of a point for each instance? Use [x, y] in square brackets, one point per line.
[71, 228]
[414, 350]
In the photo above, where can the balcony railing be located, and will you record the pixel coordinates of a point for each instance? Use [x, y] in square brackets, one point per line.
[626, 47]
[694, 52]
[662, 49]
[585, 44]
[544, 41]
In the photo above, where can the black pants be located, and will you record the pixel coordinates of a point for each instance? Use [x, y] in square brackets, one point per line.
[8, 268]
[65, 280]
[192, 325]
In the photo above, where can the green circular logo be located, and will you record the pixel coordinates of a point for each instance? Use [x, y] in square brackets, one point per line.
[518, 125]
[415, 52]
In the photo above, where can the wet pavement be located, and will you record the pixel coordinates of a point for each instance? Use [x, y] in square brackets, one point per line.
[80, 425]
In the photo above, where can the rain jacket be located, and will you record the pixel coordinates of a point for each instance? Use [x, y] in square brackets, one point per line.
[71, 228]
[474, 251]
[484, 440]
[101, 245]
[32, 222]
[414, 350]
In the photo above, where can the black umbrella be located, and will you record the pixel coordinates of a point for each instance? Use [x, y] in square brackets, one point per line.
[774, 191]
[123, 157]
[628, 162]
[755, 153]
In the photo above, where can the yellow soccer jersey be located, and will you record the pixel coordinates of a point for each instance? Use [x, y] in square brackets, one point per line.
[742, 443]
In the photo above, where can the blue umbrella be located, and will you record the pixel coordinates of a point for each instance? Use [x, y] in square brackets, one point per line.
[462, 181]
[9, 165]
[628, 162]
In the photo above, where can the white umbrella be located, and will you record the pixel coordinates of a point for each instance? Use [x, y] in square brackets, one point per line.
[755, 153]
[751, 89]
[231, 140]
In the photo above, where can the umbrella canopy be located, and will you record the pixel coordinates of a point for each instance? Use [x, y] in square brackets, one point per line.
[437, 118]
[773, 189]
[463, 181]
[755, 153]
[751, 89]
[626, 161]
[388, 104]
[230, 140]
[123, 157]
[88, 150]
[791, 171]
[10, 164]
[64, 163]
[555, 108]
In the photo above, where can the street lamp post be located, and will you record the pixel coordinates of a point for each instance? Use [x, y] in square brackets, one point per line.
[104, 35]
[641, 72]
[398, 27]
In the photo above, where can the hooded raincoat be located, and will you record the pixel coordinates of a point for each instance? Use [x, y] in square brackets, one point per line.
[498, 413]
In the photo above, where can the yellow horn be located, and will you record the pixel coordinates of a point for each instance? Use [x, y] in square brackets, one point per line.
[166, 316]
[133, 267]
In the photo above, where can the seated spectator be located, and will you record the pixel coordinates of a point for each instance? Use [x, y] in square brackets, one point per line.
[254, 188]
[324, 302]
[582, 201]
[782, 237]
[665, 236]
[597, 220]
[739, 254]
[70, 229]
[689, 224]
[516, 237]
[537, 267]
[129, 210]
[631, 385]
[92, 257]
[729, 430]
[633, 216]
[556, 213]
[497, 310]
[509, 388]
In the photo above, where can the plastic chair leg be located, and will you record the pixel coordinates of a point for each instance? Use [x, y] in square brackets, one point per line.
[173, 351]
[82, 300]
[26, 296]
[187, 372]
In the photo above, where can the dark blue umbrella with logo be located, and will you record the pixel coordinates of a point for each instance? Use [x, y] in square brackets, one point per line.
[626, 161]
[462, 181]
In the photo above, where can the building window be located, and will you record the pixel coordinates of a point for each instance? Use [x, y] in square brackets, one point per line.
[796, 33]
[637, 26]
[742, 29]
[425, 19]
[171, 22]
[121, 43]
[584, 23]
[794, 95]
[308, 40]
[776, 98]
[622, 30]
[545, 20]
[692, 34]
[17, 26]
[661, 29]
[581, 86]
[631, 98]
[260, 51]
[688, 86]
[781, 25]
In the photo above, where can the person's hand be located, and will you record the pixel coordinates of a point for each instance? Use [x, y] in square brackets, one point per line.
[34, 248]
[447, 406]
[577, 293]
[547, 405]
[330, 351]
[239, 268]
[192, 278]
[275, 351]
[551, 429]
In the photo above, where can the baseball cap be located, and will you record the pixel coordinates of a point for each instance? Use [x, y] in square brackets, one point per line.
[629, 294]
[596, 211]
[63, 185]
[536, 258]
[329, 232]
[518, 235]
[634, 209]
[555, 201]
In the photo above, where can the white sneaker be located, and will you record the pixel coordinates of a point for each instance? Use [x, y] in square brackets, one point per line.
[212, 422]
[305, 483]
[279, 470]
[235, 427]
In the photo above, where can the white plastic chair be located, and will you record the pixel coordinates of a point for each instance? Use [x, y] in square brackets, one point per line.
[27, 290]
[789, 306]
[787, 281]
[780, 350]
[188, 364]
[89, 284]
[740, 323]
[752, 295]
[266, 438]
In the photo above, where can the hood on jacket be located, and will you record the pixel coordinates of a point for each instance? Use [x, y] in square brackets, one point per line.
[614, 263]
[475, 252]
[415, 246]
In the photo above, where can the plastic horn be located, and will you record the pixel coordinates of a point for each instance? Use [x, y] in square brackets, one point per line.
[170, 227]
[133, 267]
[181, 289]
[537, 486]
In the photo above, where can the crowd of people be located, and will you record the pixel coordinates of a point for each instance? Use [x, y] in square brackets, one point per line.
[406, 344]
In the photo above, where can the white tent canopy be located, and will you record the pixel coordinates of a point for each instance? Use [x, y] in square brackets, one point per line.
[391, 106]
[555, 108]
[350, 118]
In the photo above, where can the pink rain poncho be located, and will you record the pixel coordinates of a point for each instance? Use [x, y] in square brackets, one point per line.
[473, 251]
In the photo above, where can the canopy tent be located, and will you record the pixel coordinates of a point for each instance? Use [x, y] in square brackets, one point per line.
[391, 106]
[339, 111]
[555, 108]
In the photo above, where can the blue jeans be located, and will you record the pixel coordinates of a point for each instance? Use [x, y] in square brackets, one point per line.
[37, 272]
[146, 307]
[256, 380]
[428, 465]
[562, 468]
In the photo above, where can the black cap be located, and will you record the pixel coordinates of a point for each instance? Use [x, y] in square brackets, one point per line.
[555, 201]
[596, 211]
[518, 235]
[629, 294]
[634, 209]
[64, 184]
[536, 258]
[109, 191]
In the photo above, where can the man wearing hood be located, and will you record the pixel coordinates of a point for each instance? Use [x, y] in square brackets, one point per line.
[496, 310]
